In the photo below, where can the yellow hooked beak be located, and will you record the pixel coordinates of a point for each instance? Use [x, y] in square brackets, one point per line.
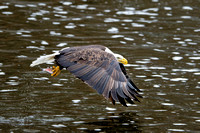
[123, 61]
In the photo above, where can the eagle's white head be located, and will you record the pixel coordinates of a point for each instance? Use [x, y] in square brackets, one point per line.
[119, 57]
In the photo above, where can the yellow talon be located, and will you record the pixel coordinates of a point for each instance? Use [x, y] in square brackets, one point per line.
[56, 71]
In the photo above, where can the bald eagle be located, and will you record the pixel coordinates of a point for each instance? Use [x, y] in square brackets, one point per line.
[98, 67]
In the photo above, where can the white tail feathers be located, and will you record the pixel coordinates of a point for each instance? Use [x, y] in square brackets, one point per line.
[44, 59]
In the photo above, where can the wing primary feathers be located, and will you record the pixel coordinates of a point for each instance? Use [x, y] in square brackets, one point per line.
[114, 95]
[133, 96]
[129, 80]
[133, 92]
[126, 92]
[134, 86]
[121, 100]
[129, 100]
[120, 91]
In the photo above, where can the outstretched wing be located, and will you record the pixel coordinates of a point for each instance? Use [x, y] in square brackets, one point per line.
[101, 71]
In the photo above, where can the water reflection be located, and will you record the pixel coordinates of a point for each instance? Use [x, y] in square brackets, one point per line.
[122, 122]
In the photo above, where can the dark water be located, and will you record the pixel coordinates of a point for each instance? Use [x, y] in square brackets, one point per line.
[161, 39]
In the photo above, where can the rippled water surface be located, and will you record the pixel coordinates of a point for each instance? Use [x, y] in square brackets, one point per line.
[160, 39]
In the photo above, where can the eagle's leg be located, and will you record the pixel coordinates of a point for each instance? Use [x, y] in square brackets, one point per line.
[56, 71]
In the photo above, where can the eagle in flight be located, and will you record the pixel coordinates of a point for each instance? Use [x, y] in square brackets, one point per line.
[97, 66]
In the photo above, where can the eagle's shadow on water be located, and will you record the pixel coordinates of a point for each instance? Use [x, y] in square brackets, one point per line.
[122, 122]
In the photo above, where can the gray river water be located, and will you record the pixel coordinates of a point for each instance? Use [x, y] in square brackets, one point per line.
[160, 39]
